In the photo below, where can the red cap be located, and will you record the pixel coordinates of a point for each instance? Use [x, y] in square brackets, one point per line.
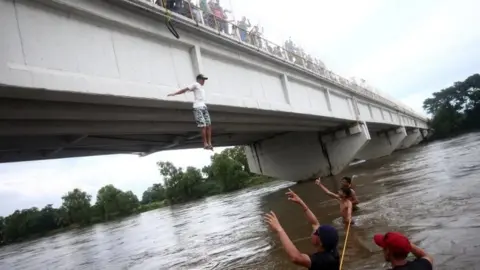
[394, 241]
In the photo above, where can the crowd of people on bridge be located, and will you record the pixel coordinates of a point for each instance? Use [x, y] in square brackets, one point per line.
[212, 14]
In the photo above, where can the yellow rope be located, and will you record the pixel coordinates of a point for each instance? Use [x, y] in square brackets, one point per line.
[345, 245]
[168, 13]
[168, 20]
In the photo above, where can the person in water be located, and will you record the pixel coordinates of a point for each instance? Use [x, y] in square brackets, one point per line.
[347, 183]
[324, 238]
[396, 248]
[344, 197]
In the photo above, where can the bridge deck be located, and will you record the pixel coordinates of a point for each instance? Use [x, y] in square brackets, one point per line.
[91, 77]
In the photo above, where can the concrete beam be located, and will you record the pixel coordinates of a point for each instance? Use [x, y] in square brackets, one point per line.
[36, 128]
[383, 143]
[39, 155]
[12, 109]
[302, 155]
[411, 138]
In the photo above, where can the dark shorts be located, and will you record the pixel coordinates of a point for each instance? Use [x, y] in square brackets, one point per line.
[202, 117]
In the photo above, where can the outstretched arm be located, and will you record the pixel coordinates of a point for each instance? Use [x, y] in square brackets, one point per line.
[294, 254]
[328, 192]
[179, 92]
[421, 254]
[312, 219]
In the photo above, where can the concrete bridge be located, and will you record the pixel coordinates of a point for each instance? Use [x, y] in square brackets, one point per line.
[90, 77]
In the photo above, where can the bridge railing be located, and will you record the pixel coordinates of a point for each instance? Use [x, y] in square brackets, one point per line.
[253, 38]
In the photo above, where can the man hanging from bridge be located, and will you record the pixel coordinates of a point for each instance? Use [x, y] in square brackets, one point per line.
[200, 110]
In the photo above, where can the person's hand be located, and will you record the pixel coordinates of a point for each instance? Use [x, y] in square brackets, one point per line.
[292, 196]
[318, 182]
[170, 95]
[273, 222]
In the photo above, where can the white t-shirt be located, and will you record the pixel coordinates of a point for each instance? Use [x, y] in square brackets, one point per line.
[198, 95]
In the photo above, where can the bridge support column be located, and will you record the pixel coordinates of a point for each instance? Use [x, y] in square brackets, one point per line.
[412, 137]
[424, 133]
[298, 156]
[382, 143]
[420, 137]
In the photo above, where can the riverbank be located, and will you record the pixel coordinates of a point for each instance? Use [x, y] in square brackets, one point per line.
[95, 218]
[450, 136]
[227, 172]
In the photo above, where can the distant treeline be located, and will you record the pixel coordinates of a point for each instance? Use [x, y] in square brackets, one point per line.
[227, 172]
[455, 109]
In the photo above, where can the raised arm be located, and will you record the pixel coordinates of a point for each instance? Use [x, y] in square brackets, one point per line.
[184, 90]
[294, 254]
[421, 254]
[328, 192]
[312, 219]
[179, 92]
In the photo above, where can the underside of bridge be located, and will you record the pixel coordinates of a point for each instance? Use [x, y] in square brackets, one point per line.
[37, 124]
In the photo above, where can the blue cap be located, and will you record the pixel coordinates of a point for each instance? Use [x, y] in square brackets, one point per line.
[328, 236]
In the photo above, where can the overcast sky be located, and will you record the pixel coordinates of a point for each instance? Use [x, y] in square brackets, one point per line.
[408, 49]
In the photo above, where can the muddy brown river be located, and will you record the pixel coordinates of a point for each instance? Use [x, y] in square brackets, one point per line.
[430, 192]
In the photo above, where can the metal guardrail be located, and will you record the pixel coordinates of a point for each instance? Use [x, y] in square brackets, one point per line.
[295, 56]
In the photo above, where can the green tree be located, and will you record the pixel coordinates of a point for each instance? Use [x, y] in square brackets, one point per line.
[227, 172]
[77, 205]
[112, 202]
[155, 193]
[22, 224]
[127, 202]
[107, 201]
[237, 153]
[2, 229]
[49, 218]
[456, 108]
[181, 186]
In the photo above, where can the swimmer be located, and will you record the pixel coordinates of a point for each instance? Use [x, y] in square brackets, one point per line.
[324, 238]
[344, 198]
[347, 183]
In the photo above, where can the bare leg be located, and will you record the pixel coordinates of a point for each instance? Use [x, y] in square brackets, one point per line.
[204, 137]
[209, 136]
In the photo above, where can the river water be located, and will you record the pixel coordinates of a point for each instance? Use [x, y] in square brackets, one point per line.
[430, 192]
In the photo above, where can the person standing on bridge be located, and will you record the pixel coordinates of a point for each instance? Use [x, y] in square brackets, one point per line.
[324, 238]
[200, 110]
